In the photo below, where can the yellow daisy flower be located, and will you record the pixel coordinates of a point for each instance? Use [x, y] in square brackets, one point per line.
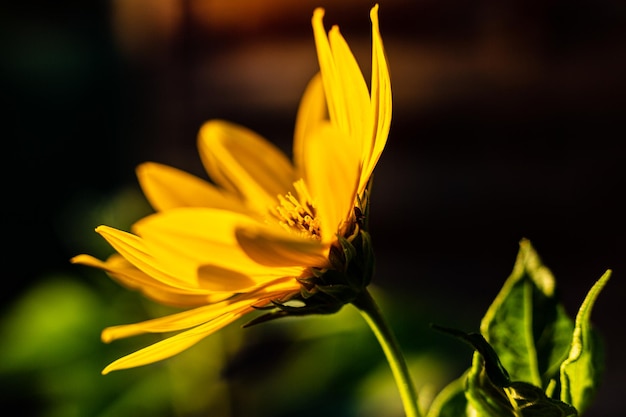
[271, 232]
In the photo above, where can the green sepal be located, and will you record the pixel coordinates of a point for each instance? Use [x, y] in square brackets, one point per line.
[326, 291]
[581, 371]
[324, 304]
[341, 259]
[272, 315]
[362, 210]
[360, 268]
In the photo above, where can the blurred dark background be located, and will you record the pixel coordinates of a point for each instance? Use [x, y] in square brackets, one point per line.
[508, 123]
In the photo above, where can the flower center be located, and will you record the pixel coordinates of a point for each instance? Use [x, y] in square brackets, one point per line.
[298, 214]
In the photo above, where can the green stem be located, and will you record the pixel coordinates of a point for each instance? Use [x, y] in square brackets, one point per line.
[374, 318]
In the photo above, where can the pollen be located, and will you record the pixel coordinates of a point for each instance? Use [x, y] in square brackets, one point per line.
[297, 213]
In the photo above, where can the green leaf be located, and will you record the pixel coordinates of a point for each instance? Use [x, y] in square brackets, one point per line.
[581, 371]
[526, 325]
[529, 352]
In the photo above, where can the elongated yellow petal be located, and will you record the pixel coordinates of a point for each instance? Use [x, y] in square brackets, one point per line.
[199, 245]
[356, 96]
[381, 101]
[244, 163]
[166, 188]
[175, 322]
[213, 318]
[277, 249]
[333, 185]
[363, 116]
[172, 345]
[191, 318]
[335, 96]
[311, 113]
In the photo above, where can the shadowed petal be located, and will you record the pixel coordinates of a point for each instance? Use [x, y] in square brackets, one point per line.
[277, 249]
[216, 278]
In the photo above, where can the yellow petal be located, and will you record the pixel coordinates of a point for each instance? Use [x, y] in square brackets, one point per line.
[170, 346]
[178, 321]
[244, 163]
[190, 318]
[363, 117]
[199, 245]
[166, 187]
[311, 112]
[278, 249]
[356, 96]
[332, 170]
[332, 83]
[381, 101]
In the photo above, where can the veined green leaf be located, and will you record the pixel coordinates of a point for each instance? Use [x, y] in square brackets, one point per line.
[581, 371]
[526, 325]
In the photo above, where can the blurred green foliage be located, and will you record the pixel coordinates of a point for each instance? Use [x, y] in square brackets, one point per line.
[331, 365]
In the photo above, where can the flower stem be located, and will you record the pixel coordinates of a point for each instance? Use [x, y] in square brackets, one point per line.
[374, 318]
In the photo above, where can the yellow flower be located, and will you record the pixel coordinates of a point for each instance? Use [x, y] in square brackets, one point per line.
[271, 230]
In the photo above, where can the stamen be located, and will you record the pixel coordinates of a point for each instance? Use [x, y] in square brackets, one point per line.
[298, 214]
